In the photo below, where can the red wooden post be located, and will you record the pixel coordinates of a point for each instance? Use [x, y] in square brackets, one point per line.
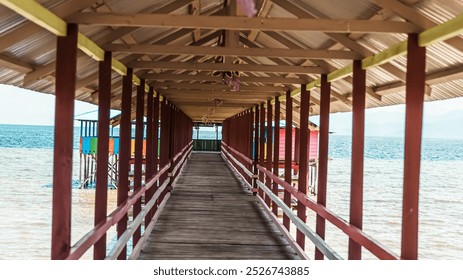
[164, 156]
[358, 142]
[155, 146]
[66, 58]
[288, 154]
[256, 146]
[416, 76]
[297, 148]
[261, 146]
[101, 189]
[149, 149]
[268, 181]
[137, 174]
[303, 159]
[124, 152]
[276, 152]
[325, 91]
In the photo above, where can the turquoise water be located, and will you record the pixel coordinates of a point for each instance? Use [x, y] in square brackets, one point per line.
[26, 164]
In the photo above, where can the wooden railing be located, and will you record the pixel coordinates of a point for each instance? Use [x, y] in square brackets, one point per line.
[238, 160]
[87, 241]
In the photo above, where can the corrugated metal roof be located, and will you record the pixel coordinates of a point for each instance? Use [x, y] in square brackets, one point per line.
[38, 49]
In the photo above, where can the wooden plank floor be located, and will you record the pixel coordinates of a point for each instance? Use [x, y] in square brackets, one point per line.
[210, 216]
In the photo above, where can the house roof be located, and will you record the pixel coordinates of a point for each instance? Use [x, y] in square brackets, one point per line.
[186, 49]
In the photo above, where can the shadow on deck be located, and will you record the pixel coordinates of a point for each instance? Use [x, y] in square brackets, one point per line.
[211, 216]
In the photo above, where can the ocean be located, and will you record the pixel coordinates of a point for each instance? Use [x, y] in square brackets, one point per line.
[26, 164]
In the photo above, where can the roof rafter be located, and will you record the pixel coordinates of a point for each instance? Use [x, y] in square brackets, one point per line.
[230, 51]
[225, 67]
[204, 77]
[243, 23]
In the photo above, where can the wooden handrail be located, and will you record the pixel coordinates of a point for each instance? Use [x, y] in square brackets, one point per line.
[124, 238]
[89, 239]
[351, 231]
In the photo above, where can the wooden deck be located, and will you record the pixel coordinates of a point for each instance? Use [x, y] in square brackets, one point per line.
[211, 216]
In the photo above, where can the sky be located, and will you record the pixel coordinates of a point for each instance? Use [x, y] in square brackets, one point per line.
[442, 119]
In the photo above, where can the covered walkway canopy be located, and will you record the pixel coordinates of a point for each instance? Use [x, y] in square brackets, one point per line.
[184, 48]
[216, 61]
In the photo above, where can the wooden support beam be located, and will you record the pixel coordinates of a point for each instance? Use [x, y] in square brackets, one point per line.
[101, 189]
[225, 67]
[66, 64]
[288, 154]
[414, 101]
[255, 142]
[269, 156]
[39, 15]
[48, 69]
[262, 146]
[138, 167]
[302, 183]
[323, 156]
[205, 77]
[124, 153]
[214, 87]
[276, 153]
[29, 28]
[209, 93]
[51, 22]
[414, 16]
[343, 39]
[262, 13]
[358, 143]
[231, 51]
[434, 78]
[243, 23]
[15, 64]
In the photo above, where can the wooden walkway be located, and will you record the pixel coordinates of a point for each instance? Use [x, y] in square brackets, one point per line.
[211, 216]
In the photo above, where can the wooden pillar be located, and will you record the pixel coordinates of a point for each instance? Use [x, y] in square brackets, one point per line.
[66, 59]
[155, 146]
[288, 154]
[149, 159]
[303, 159]
[415, 89]
[268, 181]
[358, 142]
[101, 191]
[137, 174]
[276, 152]
[262, 146]
[124, 152]
[164, 157]
[256, 146]
[325, 91]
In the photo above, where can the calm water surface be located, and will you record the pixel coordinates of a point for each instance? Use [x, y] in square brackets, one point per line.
[26, 174]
